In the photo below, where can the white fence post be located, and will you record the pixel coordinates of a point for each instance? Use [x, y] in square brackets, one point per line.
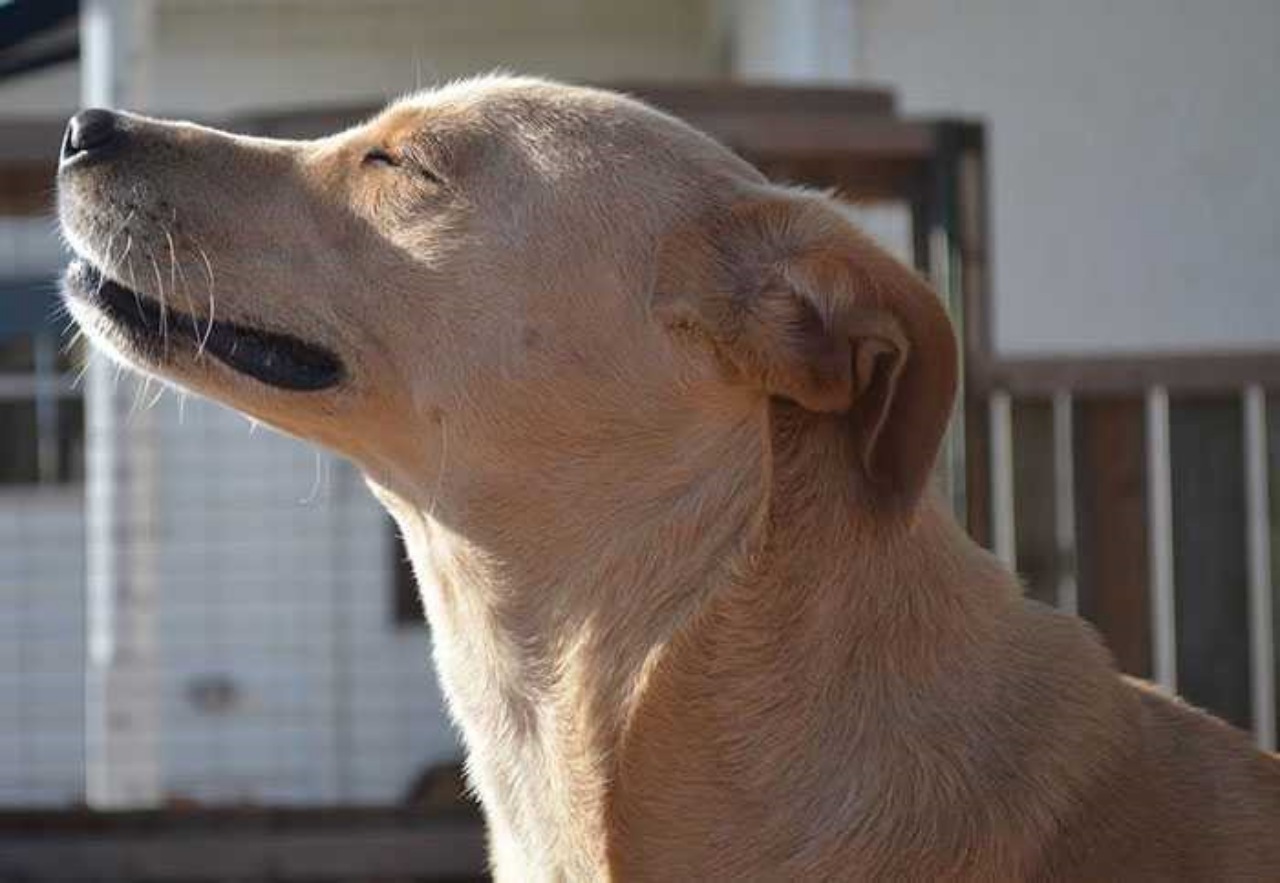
[1003, 527]
[1064, 503]
[122, 751]
[1257, 501]
[1160, 539]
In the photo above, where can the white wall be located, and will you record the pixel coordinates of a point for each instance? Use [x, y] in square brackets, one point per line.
[275, 563]
[53, 91]
[41, 647]
[28, 248]
[214, 57]
[42, 609]
[274, 568]
[1136, 191]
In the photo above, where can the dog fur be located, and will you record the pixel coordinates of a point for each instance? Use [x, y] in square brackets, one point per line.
[658, 435]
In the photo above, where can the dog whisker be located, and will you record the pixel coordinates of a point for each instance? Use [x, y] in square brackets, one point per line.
[164, 312]
[173, 266]
[127, 258]
[159, 395]
[78, 381]
[208, 269]
[176, 272]
[139, 391]
[102, 278]
[320, 480]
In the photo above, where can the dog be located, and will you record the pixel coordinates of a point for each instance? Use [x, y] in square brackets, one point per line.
[659, 436]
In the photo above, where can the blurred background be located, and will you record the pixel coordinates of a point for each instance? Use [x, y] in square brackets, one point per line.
[213, 663]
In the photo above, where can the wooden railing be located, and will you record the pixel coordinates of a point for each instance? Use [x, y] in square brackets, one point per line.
[1142, 493]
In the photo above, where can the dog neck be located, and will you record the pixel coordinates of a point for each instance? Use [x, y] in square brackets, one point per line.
[551, 589]
[871, 666]
[551, 612]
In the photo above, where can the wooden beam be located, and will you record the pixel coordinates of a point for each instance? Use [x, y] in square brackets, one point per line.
[730, 97]
[1111, 527]
[1130, 374]
[241, 845]
[26, 188]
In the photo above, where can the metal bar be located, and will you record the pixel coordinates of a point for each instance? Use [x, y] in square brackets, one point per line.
[1160, 538]
[1064, 503]
[122, 699]
[1003, 527]
[100, 32]
[1258, 519]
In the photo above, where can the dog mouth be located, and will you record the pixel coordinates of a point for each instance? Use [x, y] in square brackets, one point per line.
[153, 333]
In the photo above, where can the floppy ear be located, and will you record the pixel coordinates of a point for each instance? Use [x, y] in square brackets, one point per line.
[799, 303]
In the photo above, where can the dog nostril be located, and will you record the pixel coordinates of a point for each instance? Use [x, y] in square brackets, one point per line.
[88, 130]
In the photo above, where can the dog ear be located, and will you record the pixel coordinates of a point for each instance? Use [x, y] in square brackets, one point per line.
[800, 304]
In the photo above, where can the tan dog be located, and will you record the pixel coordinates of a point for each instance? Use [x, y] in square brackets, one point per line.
[659, 437]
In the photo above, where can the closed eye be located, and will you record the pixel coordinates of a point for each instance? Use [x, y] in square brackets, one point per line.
[377, 156]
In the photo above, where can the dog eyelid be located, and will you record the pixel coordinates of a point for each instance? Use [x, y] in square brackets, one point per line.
[381, 157]
[378, 156]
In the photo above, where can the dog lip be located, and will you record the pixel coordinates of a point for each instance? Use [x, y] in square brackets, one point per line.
[276, 359]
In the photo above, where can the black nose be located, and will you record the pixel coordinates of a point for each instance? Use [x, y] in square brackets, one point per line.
[89, 130]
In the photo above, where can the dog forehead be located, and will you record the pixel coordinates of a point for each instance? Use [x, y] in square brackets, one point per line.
[499, 102]
[488, 112]
[553, 131]
[505, 94]
[586, 141]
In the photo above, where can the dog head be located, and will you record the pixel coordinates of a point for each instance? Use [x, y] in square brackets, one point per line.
[523, 261]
